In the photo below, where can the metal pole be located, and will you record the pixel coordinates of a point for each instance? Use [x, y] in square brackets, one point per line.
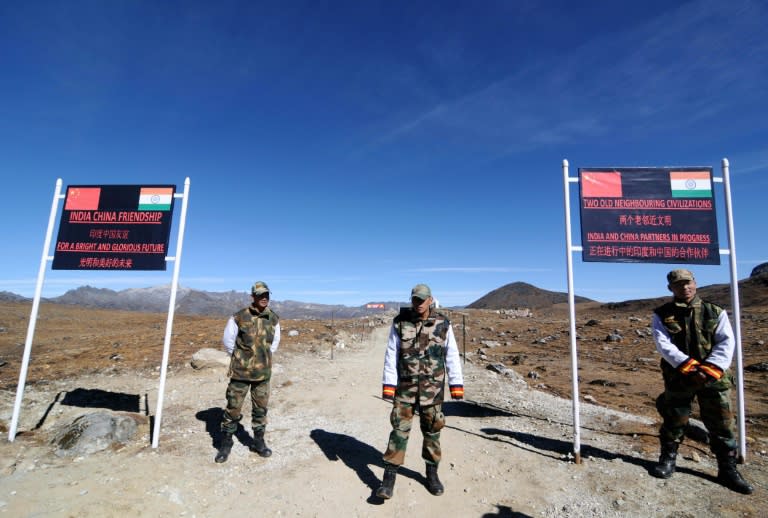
[33, 315]
[736, 312]
[464, 333]
[171, 311]
[572, 317]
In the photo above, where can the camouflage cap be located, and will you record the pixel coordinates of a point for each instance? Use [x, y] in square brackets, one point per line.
[679, 275]
[421, 291]
[259, 287]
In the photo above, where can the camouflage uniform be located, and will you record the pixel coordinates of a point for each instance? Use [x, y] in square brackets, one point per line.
[418, 354]
[696, 344]
[250, 369]
[702, 335]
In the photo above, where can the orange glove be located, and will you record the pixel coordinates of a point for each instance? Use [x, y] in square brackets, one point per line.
[711, 370]
[689, 366]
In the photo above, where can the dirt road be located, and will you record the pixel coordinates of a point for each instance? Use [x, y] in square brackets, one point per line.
[505, 452]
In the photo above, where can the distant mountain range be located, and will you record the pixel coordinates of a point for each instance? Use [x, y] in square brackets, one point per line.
[753, 291]
[196, 302]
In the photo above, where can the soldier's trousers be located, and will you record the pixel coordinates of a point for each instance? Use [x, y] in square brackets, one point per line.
[237, 390]
[674, 406]
[431, 420]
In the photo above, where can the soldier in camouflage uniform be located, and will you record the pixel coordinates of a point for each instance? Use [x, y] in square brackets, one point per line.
[420, 349]
[696, 342]
[250, 336]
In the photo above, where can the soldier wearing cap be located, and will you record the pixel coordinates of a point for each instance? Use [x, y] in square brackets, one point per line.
[250, 336]
[696, 342]
[420, 349]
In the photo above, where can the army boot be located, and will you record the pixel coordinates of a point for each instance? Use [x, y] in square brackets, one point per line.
[667, 459]
[225, 447]
[434, 485]
[258, 445]
[388, 484]
[728, 476]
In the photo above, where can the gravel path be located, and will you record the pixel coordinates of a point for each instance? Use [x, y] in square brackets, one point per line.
[505, 450]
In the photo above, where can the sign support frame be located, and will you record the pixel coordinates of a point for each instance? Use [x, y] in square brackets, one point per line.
[735, 303]
[570, 249]
[171, 311]
[730, 251]
[12, 430]
[33, 315]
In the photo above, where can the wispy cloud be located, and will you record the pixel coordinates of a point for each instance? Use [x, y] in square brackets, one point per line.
[749, 162]
[680, 69]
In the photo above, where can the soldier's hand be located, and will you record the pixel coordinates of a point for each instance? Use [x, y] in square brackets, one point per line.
[712, 371]
[704, 374]
[688, 367]
[698, 379]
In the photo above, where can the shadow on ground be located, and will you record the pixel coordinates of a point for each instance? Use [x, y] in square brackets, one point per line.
[505, 512]
[562, 449]
[212, 419]
[467, 408]
[97, 398]
[94, 398]
[358, 456]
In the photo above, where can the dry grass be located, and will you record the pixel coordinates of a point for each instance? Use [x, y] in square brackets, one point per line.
[71, 341]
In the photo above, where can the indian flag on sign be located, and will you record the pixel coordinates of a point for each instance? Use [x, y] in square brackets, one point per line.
[690, 184]
[155, 198]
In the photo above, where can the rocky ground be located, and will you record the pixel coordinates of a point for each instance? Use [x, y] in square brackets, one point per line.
[507, 448]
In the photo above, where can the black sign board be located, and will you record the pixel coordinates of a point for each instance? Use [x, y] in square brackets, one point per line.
[115, 227]
[651, 215]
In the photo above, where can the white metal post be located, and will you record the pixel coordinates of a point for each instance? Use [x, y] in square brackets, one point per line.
[572, 317]
[736, 311]
[33, 315]
[171, 310]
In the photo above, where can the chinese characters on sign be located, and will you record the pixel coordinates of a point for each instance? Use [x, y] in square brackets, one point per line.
[653, 215]
[114, 227]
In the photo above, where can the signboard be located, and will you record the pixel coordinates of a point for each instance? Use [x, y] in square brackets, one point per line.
[375, 306]
[114, 227]
[651, 215]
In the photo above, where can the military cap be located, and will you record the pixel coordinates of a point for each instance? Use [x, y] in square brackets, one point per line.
[679, 275]
[259, 288]
[421, 291]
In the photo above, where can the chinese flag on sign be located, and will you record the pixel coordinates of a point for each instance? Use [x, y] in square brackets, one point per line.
[82, 198]
[600, 185]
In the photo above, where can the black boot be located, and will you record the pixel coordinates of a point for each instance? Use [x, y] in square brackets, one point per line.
[434, 485]
[225, 447]
[258, 445]
[667, 459]
[728, 476]
[388, 483]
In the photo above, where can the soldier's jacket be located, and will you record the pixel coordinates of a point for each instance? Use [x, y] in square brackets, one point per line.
[692, 330]
[252, 357]
[691, 326]
[421, 363]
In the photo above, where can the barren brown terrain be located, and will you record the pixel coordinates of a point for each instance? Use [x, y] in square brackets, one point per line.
[76, 348]
[622, 375]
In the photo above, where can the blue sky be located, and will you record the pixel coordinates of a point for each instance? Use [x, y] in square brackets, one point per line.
[344, 151]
